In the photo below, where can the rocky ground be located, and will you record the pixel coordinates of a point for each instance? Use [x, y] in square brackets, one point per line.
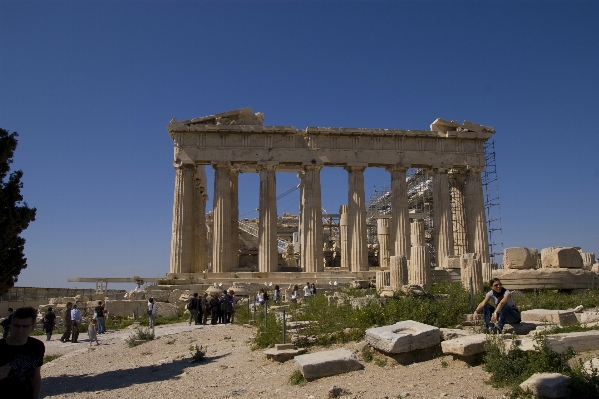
[162, 368]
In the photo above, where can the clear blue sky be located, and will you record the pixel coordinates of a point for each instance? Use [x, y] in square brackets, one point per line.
[89, 86]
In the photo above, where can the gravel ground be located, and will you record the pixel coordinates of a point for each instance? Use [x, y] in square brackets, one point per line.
[162, 368]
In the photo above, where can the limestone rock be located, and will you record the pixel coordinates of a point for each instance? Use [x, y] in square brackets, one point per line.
[588, 259]
[549, 385]
[465, 346]
[326, 363]
[547, 278]
[165, 309]
[472, 269]
[361, 302]
[402, 337]
[561, 257]
[283, 352]
[414, 290]
[360, 284]
[159, 295]
[453, 333]
[591, 367]
[452, 262]
[522, 328]
[520, 258]
[137, 295]
[561, 317]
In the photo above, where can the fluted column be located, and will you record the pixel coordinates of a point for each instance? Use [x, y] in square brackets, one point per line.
[182, 237]
[302, 221]
[442, 216]
[344, 242]
[400, 218]
[460, 239]
[471, 269]
[221, 240]
[398, 271]
[356, 225]
[419, 270]
[313, 220]
[200, 253]
[476, 220]
[267, 219]
[234, 176]
[384, 242]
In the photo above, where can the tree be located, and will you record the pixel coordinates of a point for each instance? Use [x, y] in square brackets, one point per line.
[15, 215]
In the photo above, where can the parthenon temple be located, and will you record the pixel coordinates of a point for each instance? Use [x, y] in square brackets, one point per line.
[451, 153]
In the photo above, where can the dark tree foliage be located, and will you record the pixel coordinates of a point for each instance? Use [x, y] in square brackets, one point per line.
[15, 215]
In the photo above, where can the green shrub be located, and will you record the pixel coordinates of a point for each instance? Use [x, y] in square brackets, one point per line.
[367, 353]
[198, 353]
[49, 358]
[297, 378]
[141, 334]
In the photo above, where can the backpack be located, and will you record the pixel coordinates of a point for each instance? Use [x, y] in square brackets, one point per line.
[189, 304]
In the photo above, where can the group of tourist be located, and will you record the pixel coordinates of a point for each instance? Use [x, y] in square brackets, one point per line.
[218, 306]
[72, 323]
[309, 290]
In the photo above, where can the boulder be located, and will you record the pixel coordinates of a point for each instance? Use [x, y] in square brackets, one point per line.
[591, 367]
[561, 317]
[405, 336]
[561, 257]
[360, 284]
[548, 385]
[465, 346]
[326, 363]
[283, 352]
[137, 295]
[520, 258]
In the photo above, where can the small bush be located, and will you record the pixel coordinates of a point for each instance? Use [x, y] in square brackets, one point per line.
[444, 364]
[367, 354]
[198, 353]
[381, 362]
[141, 334]
[297, 378]
[171, 341]
[49, 358]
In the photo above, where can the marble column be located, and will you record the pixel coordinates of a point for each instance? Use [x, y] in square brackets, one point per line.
[471, 269]
[267, 220]
[384, 242]
[476, 220]
[419, 270]
[182, 237]
[221, 240]
[398, 272]
[400, 218]
[460, 239]
[234, 176]
[201, 234]
[443, 228]
[312, 211]
[302, 227]
[356, 225]
[343, 237]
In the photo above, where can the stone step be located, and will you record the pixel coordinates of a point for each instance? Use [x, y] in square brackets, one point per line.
[326, 363]
[465, 346]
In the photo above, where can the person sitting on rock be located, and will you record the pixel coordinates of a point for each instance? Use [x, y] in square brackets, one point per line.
[505, 310]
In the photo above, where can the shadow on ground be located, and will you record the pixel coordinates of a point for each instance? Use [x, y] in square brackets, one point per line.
[68, 384]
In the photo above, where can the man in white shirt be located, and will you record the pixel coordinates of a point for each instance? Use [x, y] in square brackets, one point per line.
[76, 320]
[307, 291]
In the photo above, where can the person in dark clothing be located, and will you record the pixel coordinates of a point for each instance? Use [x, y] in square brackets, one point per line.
[21, 358]
[214, 308]
[204, 308]
[49, 322]
[192, 306]
[222, 314]
[68, 324]
[101, 321]
[6, 324]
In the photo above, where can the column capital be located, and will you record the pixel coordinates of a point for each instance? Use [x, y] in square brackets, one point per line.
[457, 175]
[359, 167]
[267, 165]
[475, 170]
[221, 165]
[307, 167]
[178, 164]
[398, 167]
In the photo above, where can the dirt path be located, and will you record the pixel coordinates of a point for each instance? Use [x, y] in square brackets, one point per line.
[161, 368]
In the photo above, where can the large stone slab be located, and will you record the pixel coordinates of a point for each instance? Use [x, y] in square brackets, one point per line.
[579, 341]
[520, 258]
[465, 346]
[561, 257]
[522, 328]
[453, 333]
[283, 352]
[548, 385]
[402, 337]
[547, 278]
[326, 363]
[561, 317]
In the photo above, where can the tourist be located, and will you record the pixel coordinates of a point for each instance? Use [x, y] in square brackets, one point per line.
[313, 289]
[6, 324]
[505, 310]
[192, 306]
[100, 313]
[49, 322]
[151, 312]
[214, 308]
[277, 294]
[260, 296]
[91, 332]
[307, 291]
[205, 308]
[21, 357]
[222, 311]
[68, 324]
[294, 294]
[231, 306]
[76, 319]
